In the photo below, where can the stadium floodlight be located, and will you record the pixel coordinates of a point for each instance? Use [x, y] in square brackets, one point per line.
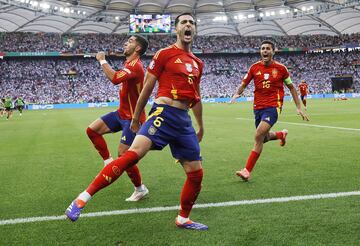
[84, 12]
[303, 8]
[116, 17]
[251, 16]
[272, 13]
[282, 12]
[34, 3]
[44, 5]
[66, 10]
[261, 14]
[267, 14]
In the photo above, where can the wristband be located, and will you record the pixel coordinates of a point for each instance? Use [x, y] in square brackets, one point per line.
[102, 62]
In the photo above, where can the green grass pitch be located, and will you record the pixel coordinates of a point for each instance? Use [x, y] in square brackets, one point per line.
[46, 160]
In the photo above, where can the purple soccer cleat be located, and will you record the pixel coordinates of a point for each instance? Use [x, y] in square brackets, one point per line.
[73, 211]
[192, 225]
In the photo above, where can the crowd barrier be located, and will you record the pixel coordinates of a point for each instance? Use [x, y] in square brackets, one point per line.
[204, 100]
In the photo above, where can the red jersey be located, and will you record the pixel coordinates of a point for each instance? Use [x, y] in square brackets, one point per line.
[132, 79]
[303, 87]
[269, 84]
[178, 73]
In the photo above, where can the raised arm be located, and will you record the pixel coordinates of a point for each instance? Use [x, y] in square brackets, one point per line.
[109, 72]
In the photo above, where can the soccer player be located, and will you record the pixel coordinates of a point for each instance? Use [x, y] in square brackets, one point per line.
[131, 77]
[269, 78]
[303, 88]
[8, 107]
[2, 107]
[19, 104]
[178, 72]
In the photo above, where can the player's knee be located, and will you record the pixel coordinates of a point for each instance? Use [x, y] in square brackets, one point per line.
[196, 176]
[259, 137]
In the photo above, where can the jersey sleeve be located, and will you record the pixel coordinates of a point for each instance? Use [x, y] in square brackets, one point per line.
[124, 74]
[157, 64]
[248, 76]
[286, 76]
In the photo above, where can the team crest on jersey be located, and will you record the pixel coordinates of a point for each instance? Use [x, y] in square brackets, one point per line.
[274, 73]
[152, 130]
[266, 76]
[188, 67]
[152, 65]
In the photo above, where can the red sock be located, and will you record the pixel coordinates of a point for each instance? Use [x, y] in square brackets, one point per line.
[134, 174]
[253, 157]
[112, 171]
[279, 135]
[190, 192]
[99, 143]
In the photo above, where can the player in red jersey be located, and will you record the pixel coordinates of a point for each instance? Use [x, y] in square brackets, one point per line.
[269, 78]
[178, 72]
[131, 77]
[303, 88]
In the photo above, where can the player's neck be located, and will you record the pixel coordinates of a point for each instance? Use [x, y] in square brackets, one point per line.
[132, 57]
[268, 63]
[184, 46]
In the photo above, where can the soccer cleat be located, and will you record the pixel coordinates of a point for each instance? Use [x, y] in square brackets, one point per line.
[283, 140]
[73, 211]
[138, 194]
[244, 174]
[192, 225]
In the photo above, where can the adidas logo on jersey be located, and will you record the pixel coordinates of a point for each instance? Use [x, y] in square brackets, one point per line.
[178, 61]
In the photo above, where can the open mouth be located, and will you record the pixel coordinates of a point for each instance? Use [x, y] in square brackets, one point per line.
[188, 33]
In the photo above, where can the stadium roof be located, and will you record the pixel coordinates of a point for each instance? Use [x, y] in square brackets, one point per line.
[215, 17]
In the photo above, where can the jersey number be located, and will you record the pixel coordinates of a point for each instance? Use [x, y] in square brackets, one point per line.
[191, 79]
[266, 84]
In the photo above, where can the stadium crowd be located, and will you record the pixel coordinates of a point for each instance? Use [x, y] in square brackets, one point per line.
[80, 43]
[49, 80]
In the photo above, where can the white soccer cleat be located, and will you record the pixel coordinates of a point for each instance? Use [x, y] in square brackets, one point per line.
[138, 194]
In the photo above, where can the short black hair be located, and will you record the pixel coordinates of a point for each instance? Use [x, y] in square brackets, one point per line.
[182, 14]
[142, 42]
[269, 42]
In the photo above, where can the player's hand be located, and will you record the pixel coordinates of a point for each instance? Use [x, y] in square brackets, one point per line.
[302, 114]
[200, 134]
[100, 56]
[134, 125]
[233, 99]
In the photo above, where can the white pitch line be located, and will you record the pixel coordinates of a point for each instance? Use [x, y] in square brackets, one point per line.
[172, 208]
[312, 125]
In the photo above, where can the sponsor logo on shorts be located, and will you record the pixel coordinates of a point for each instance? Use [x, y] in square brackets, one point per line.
[152, 130]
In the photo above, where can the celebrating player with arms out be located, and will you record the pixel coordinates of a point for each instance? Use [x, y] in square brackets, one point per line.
[269, 78]
[131, 77]
[178, 72]
[303, 88]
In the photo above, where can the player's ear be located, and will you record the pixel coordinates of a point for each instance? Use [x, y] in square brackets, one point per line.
[138, 48]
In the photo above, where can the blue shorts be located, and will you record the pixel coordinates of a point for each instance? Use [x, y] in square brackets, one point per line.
[116, 124]
[269, 115]
[168, 125]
